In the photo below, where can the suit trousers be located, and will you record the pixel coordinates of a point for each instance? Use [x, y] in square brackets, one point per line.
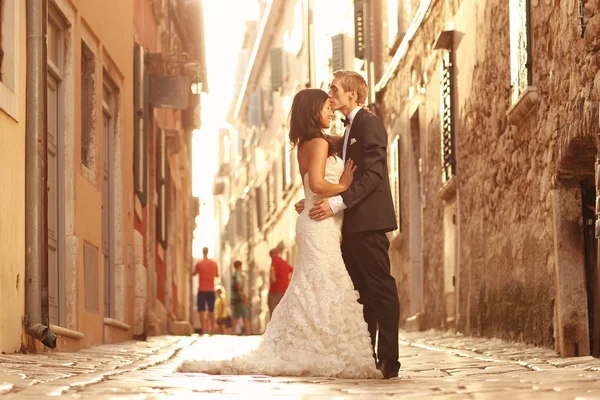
[367, 261]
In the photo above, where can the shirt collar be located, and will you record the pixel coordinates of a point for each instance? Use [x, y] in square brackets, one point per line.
[353, 114]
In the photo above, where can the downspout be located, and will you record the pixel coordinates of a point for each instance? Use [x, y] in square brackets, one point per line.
[35, 155]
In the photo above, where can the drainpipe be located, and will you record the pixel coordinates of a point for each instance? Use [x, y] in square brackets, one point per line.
[35, 172]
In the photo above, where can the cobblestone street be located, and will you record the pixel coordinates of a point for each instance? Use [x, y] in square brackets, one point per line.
[434, 366]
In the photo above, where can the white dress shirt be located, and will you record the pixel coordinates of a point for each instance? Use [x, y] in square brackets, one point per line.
[337, 203]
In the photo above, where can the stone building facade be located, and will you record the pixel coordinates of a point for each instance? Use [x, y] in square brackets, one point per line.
[491, 107]
[170, 60]
[72, 221]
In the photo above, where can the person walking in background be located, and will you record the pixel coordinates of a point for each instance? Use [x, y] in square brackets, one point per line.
[223, 318]
[239, 300]
[281, 273]
[207, 270]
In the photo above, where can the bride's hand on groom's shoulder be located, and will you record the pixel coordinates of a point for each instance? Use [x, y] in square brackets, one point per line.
[364, 106]
[299, 206]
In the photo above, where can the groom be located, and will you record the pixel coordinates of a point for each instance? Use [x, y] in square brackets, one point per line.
[369, 215]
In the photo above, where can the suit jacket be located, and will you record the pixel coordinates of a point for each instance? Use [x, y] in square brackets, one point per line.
[369, 199]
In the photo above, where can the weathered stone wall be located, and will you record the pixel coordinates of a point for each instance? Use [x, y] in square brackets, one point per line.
[506, 174]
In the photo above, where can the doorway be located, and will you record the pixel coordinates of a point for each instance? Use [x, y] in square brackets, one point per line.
[55, 165]
[588, 202]
[416, 215]
[108, 125]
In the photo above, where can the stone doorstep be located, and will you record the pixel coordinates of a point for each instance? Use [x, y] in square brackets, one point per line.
[180, 328]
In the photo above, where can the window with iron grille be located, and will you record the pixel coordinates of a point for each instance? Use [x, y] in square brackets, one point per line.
[520, 53]
[448, 153]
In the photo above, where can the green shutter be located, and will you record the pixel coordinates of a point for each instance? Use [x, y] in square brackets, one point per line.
[276, 69]
[337, 52]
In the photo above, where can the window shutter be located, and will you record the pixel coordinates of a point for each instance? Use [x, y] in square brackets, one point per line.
[266, 97]
[276, 69]
[254, 110]
[140, 125]
[359, 29]
[162, 186]
[260, 207]
[337, 52]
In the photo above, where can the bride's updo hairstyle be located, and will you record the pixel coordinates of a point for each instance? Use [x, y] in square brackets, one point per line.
[305, 117]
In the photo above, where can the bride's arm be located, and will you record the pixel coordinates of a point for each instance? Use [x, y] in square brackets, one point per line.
[318, 153]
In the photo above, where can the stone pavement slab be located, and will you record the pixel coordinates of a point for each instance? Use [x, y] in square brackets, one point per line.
[434, 366]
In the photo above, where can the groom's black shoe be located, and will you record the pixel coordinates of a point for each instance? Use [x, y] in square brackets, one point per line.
[389, 369]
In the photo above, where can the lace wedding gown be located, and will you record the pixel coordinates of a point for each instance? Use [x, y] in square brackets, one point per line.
[318, 327]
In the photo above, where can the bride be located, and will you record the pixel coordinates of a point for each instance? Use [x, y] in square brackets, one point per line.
[318, 327]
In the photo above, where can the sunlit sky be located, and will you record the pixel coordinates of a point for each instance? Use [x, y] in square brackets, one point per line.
[224, 24]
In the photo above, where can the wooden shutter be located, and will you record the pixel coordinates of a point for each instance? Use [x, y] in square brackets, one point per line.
[254, 110]
[162, 187]
[140, 125]
[337, 52]
[276, 69]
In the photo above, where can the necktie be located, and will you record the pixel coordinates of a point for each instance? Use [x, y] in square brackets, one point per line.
[346, 121]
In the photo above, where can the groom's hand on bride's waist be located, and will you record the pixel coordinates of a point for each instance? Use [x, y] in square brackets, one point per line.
[320, 211]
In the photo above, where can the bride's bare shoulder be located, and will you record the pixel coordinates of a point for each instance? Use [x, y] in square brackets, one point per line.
[315, 144]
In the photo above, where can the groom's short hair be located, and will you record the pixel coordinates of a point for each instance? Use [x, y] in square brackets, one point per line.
[353, 81]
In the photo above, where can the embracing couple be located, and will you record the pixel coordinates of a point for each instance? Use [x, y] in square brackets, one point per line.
[319, 328]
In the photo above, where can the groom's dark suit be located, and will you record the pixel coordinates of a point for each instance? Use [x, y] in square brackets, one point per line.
[370, 214]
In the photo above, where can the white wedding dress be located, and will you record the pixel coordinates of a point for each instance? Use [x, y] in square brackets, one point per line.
[318, 327]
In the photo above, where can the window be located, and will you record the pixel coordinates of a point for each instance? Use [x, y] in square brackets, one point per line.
[520, 52]
[9, 57]
[88, 107]
[447, 119]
